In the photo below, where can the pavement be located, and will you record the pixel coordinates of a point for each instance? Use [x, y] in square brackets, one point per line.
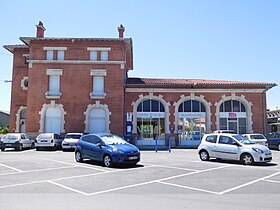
[31, 179]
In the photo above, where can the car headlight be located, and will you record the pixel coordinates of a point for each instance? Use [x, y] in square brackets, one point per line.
[118, 151]
[258, 150]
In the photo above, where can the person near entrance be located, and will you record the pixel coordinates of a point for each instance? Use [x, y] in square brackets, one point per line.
[156, 131]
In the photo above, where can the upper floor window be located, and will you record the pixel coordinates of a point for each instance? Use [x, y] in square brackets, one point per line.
[60, 55]
[55, 53]
[232, 106]
[98, 87]
[54, 83]
[104, 55]
[93, 55]
[99, 53]
[49, 54]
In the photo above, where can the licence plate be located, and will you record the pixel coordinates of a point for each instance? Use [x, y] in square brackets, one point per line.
[133, 158]
[9, 145]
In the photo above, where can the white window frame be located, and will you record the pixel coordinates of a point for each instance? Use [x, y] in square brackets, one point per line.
[104, 55]
[49, 55]
[54, 80]
[98, 75]
[60, 55]
[93, 55]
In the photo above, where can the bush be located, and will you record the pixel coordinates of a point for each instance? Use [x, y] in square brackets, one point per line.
[5, 130]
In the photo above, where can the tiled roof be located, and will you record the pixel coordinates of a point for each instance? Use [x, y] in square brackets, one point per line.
[195, 83]
[12, 47]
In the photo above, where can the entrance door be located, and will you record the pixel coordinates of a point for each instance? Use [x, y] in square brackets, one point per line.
[22, 125]
[232, 125]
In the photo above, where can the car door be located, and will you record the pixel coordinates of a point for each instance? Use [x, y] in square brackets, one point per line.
[86, 145]
[274, 141]
[24, 141]
[227, 148]
[96, 148]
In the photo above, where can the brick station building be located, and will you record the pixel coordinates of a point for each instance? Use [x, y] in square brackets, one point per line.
[66, 85]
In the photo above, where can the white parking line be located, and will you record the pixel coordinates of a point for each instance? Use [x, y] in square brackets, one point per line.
[68, 188]
[171, 167]
[76, 164]
[38, 170]
[249, 183]
[15, 169]
[186, 187]
[155, 181]
[273, 181]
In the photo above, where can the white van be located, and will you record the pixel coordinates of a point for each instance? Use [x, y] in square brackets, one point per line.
[18, 141]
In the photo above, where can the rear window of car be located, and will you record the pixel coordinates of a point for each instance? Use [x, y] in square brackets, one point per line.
[257, 136]
[45, 136]
[211, 139]
[73, 136]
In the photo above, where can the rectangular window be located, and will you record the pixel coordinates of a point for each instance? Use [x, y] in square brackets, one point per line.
[54, 85]
[60, 55]
[49, 54]
[104, 55]
[93, 55]
[98, 86]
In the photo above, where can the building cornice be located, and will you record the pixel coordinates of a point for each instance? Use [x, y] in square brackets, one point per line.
[78, 62]
[184, 90]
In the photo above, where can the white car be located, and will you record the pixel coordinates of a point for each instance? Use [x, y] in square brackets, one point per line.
[70, 141]
[232, 147]
[257, 138]
[50, 140]
[18, 141]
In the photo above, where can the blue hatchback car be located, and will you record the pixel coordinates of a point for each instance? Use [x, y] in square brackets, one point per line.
[108, 148]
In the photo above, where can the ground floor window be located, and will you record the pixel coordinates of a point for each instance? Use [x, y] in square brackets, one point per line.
[191, 128]
[150, 128]
[97, 121]
[53, 120]
[236, 124]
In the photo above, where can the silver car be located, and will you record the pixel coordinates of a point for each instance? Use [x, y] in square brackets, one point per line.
[70, 141]
[232, 147]
[50, 140]
[257, 138]
[18, 141]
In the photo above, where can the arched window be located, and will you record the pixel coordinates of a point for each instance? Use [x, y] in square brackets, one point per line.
[191, 120]
[97, 121]
[233, 116]
[150, 119]
[53, 120]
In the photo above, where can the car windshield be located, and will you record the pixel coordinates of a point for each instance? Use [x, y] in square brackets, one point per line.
[73, 136]
[195, 133]
[242, 140]
[10, 137]
[45, 136]
[112, 139]
[257, 136]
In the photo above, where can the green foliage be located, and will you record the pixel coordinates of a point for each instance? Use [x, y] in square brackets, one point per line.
[4, 130]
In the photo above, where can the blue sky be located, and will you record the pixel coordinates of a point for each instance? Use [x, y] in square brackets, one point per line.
[200, 39]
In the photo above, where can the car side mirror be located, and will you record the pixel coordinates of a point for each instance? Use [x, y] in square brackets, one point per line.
[236, 144]
[99, 144]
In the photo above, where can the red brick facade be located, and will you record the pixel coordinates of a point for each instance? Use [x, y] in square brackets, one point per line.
[76, 72]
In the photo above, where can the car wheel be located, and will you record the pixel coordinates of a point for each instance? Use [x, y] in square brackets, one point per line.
[19, 148]
[54, 147]
[247, 159]
[2, 149]
[204, 155]
[107, 161]
[33, 145]
[279, 147]
[78, 157]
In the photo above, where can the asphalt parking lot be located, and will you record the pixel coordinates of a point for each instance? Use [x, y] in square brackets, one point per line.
[52, 179]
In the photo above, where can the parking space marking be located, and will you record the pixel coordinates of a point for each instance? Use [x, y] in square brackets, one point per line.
[249, 183]
[186, 187]
[171, 167]
[68, 188]
[38, 170]
[273, 181]
[15, 169]
[156, 181]
[72, 164]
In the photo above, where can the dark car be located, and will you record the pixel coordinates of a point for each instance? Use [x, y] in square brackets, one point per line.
[108, 148]
[274, 140]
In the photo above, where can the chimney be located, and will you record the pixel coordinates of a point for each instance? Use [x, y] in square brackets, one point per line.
[121, 31]
[40, 30]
